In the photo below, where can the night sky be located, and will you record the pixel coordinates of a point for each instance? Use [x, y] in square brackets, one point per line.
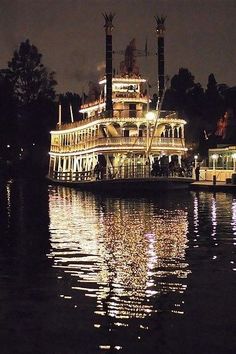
[201, 36]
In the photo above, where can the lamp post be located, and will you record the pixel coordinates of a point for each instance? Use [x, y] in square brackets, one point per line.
[214, 159]
[150, 116]
[195, 166]
[234, 161]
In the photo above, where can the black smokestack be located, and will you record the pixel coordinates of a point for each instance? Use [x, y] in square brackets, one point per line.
[108, 28]
[160, 28]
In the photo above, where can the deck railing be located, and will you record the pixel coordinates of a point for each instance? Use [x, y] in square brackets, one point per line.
[116, 115]
[118, 142]
[121, 172]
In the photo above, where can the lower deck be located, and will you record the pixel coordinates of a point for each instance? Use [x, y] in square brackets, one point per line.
[126, 185]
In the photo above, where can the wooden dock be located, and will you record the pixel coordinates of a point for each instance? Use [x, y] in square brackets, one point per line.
[209, 186]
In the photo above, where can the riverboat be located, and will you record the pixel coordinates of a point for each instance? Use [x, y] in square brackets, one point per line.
[119, 140]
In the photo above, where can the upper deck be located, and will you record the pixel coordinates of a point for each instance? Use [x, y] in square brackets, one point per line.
[126, 127]
[119, 116]
[120, 132]
[125, 89]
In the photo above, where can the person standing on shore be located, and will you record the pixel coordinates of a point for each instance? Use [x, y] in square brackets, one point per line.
[197, 172]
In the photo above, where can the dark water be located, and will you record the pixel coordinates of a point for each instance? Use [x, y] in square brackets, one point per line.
[85, 273]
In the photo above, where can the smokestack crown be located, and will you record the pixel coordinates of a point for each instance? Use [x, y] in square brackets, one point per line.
[160, 28]
[108, 22]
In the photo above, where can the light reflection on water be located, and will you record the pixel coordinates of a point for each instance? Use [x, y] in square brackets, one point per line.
[124, 253]
[143, 275]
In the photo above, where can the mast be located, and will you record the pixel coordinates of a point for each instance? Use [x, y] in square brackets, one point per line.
[160, 28]
[108, 30]
[71, 114]
[59, 114]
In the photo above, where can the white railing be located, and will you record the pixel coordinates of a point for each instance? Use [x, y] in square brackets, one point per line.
[121, 172]
[116, 115]
[115, 142]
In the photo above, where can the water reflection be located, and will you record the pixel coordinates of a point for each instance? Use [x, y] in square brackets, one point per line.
[211, 222]
[124, 253]
[24, 220]
[234, 218]
[213, 216]
[24, 267]
[114, 274]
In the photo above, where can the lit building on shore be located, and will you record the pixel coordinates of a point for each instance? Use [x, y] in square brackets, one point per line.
[221, 164]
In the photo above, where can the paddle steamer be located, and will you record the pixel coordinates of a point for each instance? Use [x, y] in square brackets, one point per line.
[119, 137]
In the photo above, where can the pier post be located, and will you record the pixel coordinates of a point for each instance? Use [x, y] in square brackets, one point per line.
[214, 180]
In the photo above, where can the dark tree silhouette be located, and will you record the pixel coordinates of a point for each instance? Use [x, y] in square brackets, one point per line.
[230, 99]
[193, 111]
[33, 92]
[175, 96]
[180, 83]
[8, 119]
[226, 125]
[30, 79]
[187, 98]
[194, 100]
[214, 106]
